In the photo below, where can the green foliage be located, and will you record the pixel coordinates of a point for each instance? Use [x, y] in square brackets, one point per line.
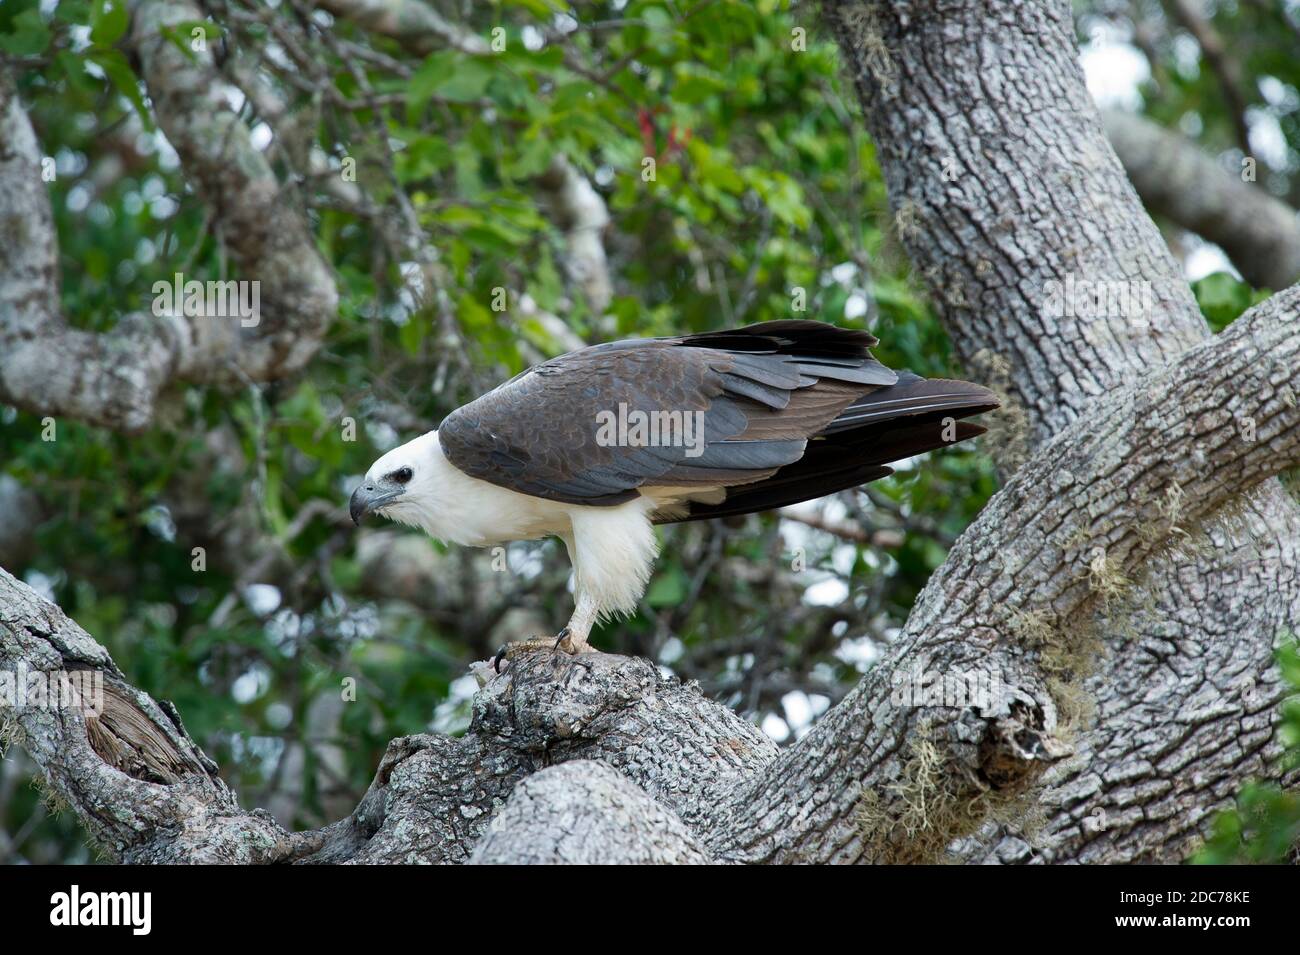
[1223, 298]
[23, 31]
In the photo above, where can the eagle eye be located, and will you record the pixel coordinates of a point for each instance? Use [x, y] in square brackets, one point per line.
[401, 475]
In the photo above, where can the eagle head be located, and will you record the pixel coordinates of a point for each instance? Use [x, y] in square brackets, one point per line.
[396, 479]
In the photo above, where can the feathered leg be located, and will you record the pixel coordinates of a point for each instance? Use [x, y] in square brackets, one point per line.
[612, 550]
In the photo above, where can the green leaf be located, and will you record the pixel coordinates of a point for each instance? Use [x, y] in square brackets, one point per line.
[30, 35]
[696, 83]
[1223, 297]
[539, 8]
[715, 168]
[534, 156]
[73, 11]
[108, 21]
[119, 74]
[424, 156]
[75, 69]
[411, 334]
[473, 315]
[669, 587]
[784, 197]
[451, 76]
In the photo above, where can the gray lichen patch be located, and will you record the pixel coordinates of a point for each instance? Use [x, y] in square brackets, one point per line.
[1067, 656]
[1009, 427]
[11, 734]
[1106, 577]
[1076, 708]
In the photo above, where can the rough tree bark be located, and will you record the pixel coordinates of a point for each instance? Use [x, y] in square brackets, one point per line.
[1116, 603]
[994, 90]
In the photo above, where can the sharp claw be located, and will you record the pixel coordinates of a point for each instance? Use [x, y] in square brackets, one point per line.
[537, 643]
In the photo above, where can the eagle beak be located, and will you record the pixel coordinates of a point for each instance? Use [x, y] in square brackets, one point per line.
[369, 497]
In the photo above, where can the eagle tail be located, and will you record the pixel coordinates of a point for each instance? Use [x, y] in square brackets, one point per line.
[888, 424]
[791, 336]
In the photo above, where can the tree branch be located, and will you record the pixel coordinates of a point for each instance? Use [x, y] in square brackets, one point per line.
[1225, 68]
[411, 22]
[1075, 526]
[1259, 233]
[115, 379]
[584, 813]
[1003, 185]
[580, 212]
[126, 766]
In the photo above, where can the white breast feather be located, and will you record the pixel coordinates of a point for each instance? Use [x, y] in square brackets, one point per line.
[612, 548]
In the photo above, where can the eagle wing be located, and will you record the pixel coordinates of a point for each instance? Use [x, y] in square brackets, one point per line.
[761, 393]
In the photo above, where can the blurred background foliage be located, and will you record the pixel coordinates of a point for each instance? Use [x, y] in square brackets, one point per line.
[766, 196]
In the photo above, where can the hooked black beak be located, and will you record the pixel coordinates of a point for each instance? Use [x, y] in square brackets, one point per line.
[369, 496]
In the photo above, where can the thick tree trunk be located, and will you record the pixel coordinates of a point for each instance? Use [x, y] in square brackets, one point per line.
[1181, 680]
[1101, 637]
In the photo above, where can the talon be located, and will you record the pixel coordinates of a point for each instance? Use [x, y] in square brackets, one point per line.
[564, 641]
[510, 650]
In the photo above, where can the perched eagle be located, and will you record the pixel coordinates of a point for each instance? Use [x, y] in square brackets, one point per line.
[597, 446]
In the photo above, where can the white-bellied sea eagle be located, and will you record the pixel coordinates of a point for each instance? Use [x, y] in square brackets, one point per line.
[597, 446]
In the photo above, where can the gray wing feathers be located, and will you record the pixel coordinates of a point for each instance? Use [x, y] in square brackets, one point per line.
[759, 392]
[913, 395]
[764, 394]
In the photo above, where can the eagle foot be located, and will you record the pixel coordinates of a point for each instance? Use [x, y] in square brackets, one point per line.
[562, 641]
